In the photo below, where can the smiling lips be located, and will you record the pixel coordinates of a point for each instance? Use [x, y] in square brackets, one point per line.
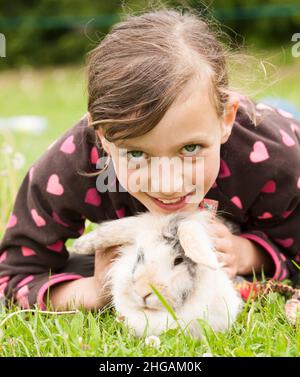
[171, 204]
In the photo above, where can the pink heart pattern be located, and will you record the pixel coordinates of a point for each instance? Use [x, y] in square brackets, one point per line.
[237, 201]
[265, 215]
[39, 221]
[22, 297]
[27, 252]
[53, 186]
[2, 288]
[120, 212]
[27, 280]
[286, 138]
[57, 246]
[287, 242]
[94, 156]
[68, 145]
[224, 170]
[92, 197]
[259, 152]
[13, 220]
[3, 256]
[269, 187]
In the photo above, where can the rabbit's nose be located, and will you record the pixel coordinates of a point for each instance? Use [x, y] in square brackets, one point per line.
[146, 296]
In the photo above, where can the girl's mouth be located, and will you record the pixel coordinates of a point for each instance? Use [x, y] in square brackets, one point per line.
[172, 205]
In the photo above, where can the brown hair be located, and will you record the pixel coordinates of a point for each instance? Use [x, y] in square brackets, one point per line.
[143, 64]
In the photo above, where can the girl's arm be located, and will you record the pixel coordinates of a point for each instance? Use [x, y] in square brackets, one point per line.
[88, 292]
[51, 206]
[262, 191]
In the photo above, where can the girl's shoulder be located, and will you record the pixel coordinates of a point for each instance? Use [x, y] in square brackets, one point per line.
[261, 154]
[261, 134]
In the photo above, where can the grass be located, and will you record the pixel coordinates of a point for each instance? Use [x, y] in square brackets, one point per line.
[261, 330]
[59, 94]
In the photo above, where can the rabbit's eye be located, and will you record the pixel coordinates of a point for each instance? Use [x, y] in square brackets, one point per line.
[178, 260]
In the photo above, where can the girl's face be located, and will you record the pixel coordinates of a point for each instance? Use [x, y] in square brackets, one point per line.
[180, 155]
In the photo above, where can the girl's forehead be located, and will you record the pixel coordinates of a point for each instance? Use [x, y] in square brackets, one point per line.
[194, 119]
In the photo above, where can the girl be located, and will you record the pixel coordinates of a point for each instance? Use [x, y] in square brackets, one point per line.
[158, 86]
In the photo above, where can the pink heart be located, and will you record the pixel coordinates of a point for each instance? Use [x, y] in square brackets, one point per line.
[3, 256]
[57, 246]
[22, 297]
[259, 152]
[4, 279]
[2, 288]
[265, 215]
[39, 221]
[269, 187]
[53, 185]
[58, 219]
[224, 170]
[68, 145]
[287, 140]
[12, 221]
[287, 242]
[27, 280]
[92, 197]
[120, 212]
[237, 201]
[27, 252]
[94, 156]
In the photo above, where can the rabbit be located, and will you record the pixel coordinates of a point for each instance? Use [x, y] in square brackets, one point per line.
[175, 254]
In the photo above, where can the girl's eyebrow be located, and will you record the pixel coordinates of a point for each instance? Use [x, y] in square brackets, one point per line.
[195, 140]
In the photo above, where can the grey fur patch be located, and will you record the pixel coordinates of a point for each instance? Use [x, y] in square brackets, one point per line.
[170, 235]
[140, 258]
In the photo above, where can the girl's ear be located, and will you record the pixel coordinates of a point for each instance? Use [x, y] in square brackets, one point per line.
[228, 119]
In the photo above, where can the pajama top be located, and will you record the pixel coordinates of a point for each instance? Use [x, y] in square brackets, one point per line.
[258, 186]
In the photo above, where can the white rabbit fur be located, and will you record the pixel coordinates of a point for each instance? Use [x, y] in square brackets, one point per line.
[197, 287]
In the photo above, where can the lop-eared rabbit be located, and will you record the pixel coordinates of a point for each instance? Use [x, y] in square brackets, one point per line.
[175, 254]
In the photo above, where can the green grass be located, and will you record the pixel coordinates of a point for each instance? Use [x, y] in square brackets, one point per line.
[59, 94]
[261, 330]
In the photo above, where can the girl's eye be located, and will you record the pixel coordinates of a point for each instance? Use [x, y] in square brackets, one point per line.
[135, 154]
[178, 260]
[191, 148]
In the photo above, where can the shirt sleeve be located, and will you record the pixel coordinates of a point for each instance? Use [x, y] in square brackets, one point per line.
[51, 206]
[267, 158]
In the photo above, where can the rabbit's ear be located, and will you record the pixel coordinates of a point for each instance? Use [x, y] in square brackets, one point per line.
[197, 244]
[107, 234]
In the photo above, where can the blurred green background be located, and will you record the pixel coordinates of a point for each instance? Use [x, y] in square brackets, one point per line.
[43, 72]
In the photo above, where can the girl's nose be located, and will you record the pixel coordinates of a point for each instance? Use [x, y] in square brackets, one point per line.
[169, 180]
